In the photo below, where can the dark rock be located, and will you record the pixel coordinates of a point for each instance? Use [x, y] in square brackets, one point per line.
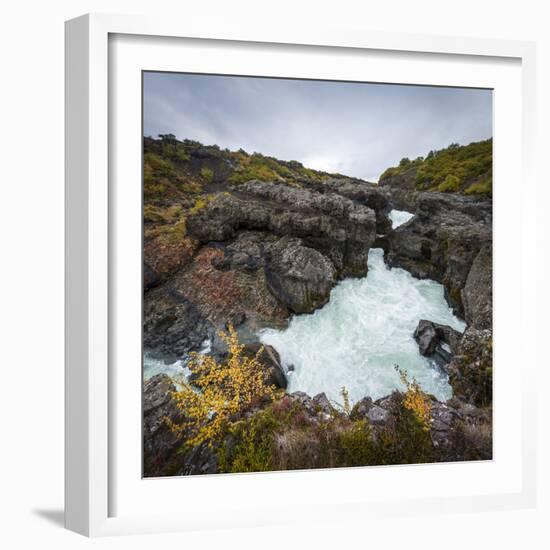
[338, 227]
[195, 304]
[221, 263]
[477, 294]
[200, 460]
[172, 324]
[246, 252]
[314, 407]
[442, 241]
[271, 361]
[323, 404]
[449, 336]
[365, 193]
[361, 408]
[443, 418]
[159, 441]
[367, 409]
[431, 338]
[427, 338]
[402, 189]
[471, 369]
[150, 277]
[236, 319]
[460, 431]
[300, 277]
[378, 416]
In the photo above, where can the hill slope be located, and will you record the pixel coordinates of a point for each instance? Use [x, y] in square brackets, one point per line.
[465, 169]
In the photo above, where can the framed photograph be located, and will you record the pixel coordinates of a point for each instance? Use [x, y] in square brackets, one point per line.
[288, 284]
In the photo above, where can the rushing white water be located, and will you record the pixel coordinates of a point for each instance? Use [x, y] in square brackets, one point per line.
[153, 364]
[356, 339]
[366, 329]
[399, 217]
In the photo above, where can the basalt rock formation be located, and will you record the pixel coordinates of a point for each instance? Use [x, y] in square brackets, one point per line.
[248, 240]
[338, 227]
[442, 241]
[264, 250]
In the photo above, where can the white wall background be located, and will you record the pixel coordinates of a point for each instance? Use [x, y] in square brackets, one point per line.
[31, 309]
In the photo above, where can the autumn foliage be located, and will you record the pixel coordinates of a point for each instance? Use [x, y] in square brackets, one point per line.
[221, 391]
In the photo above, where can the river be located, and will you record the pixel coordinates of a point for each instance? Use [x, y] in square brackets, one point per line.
[356, 340]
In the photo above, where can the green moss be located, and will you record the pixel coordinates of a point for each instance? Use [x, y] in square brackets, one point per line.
[404, 166]
[189, 187]
[253, 171]
[154, 189]
[157, 166]
[483, 187]
[207, 174]
[249, 445]
[407, 442]
[201, 203]
[357, 447]
[449, 184]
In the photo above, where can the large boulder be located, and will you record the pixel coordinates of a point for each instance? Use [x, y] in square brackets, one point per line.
[436, 341]
[271, 361]
[300, 277]
[365, 193]
[172, 324]
[338, 227]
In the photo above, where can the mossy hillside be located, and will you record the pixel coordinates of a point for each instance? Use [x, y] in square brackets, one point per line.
[464, 169]
[180, 178]
[208, 164]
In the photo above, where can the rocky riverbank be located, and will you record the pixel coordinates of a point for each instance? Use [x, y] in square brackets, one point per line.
[222, 249]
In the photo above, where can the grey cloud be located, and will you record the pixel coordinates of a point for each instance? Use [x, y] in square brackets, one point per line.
[358, 129]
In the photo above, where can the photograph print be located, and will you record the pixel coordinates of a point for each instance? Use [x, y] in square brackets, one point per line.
[317, 274]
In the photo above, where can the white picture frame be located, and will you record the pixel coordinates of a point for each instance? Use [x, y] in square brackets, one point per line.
[92, 394]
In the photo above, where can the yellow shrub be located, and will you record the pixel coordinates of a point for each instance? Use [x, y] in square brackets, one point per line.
[222, 391]
[416, 401]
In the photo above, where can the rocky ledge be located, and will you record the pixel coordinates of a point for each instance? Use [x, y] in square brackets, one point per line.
[449, 240]
[311, 432]
[264, 250]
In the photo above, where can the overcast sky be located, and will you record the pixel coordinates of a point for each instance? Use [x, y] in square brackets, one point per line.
[355, 129]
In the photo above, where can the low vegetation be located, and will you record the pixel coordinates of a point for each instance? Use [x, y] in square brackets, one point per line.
[466, 169]
[253, 427]
[220, 391]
